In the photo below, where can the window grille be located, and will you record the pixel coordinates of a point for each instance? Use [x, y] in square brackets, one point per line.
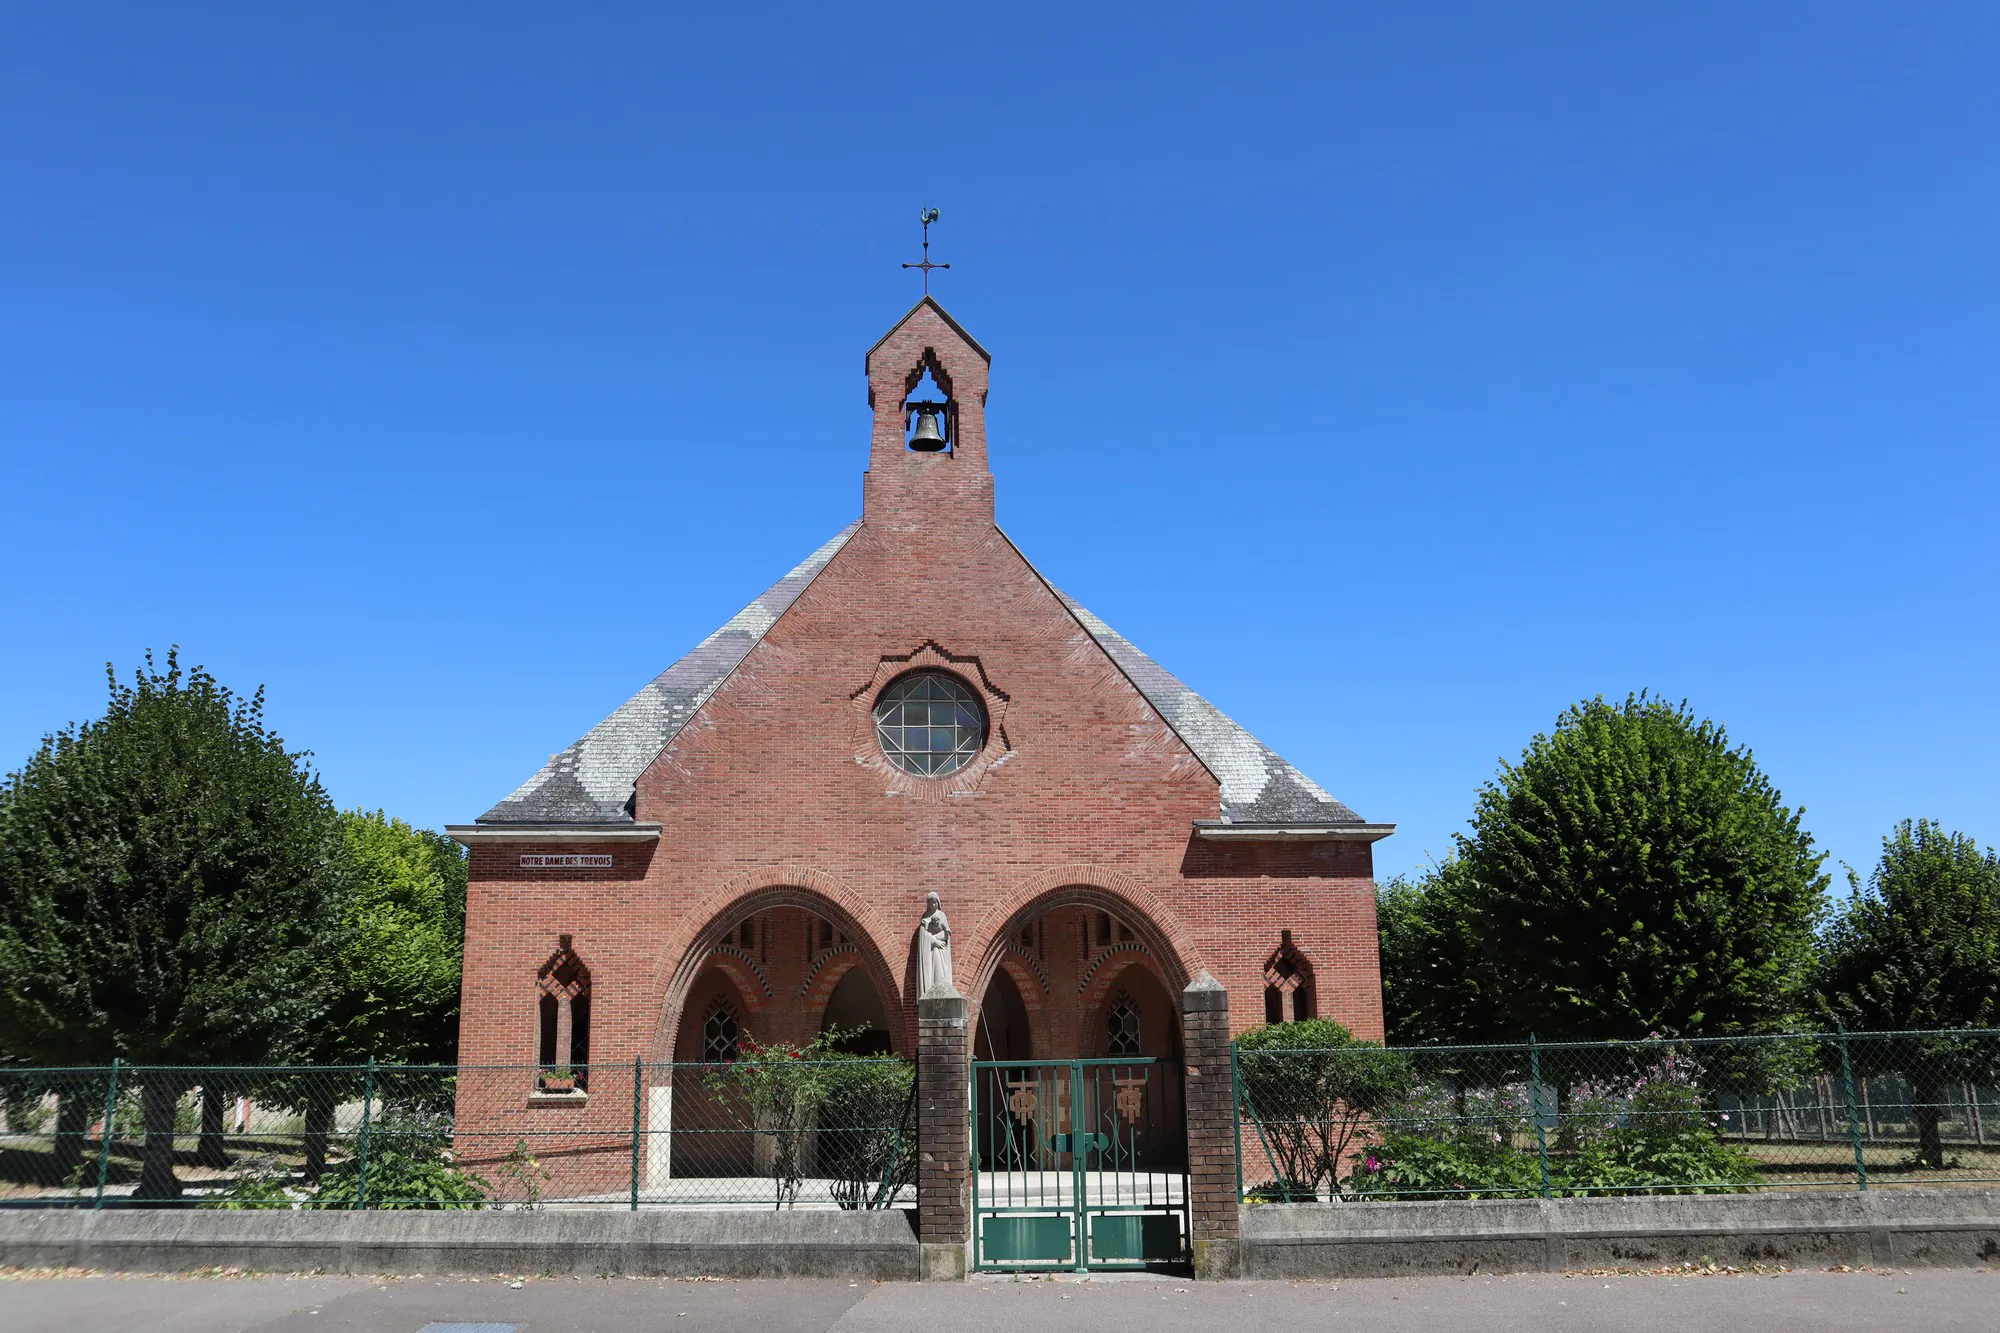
[930, 723]
[1121, 1028]
[719, 1034]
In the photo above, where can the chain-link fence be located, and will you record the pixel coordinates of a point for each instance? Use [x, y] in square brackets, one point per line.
[766, 1132]
[1826, 1110]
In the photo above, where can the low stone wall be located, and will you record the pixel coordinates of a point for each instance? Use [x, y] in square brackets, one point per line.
[662, 1243]
[1876, 1228]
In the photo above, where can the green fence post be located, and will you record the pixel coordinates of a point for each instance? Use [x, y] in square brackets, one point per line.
[1853, 1113]
[104, 1139]
[1236, 1114]
[638, 1075]
[361, 1174]
[1535, 1106]
[1081, 1213]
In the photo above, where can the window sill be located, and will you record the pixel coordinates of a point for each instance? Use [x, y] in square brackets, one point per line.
[558, 1098]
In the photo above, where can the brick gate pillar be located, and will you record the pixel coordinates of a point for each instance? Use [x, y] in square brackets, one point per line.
[944, 1136]
[1214, 1213]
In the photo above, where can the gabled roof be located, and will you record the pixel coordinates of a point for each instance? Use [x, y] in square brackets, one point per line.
[944, 315]
[1257, 786]
[593, 780]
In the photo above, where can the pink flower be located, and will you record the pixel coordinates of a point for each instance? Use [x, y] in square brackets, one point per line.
[1374, 1163]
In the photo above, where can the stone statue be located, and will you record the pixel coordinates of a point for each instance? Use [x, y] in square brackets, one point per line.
[934, 951]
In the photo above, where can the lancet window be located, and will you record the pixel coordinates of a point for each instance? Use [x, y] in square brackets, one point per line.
[1288, 984]
[563, 1005]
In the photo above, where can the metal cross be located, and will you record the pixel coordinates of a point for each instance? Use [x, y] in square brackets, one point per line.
[929, 215]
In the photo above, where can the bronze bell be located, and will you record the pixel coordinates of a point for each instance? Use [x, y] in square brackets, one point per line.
[927, 438]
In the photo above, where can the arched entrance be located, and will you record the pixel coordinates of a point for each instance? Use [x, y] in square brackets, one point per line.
[1079, 1117]
[777, 967]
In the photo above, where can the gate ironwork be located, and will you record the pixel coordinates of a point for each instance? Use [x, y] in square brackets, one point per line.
[1078, 1164]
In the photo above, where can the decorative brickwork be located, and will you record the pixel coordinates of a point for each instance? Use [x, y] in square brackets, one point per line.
[754, 767]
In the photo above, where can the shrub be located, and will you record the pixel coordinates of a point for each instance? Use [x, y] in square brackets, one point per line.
[1315, 1091]
[1471, 1165]
[409, 1167]
[788, 1088]
[264, 1186]
[1281, 1191]
[868, 1130]
[1665, 1145]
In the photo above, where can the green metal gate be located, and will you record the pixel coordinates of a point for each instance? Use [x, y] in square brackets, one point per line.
[1078, 1164]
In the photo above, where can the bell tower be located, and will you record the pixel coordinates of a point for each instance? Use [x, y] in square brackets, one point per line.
[927, 457]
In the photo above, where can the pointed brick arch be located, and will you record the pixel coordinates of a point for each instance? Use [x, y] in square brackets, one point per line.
[703, 928]
[829, 970]
[1152, 922]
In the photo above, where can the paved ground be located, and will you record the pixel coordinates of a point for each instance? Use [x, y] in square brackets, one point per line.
[1825, 1302]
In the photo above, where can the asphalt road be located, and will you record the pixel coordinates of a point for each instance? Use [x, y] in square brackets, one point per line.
[1825, 1302]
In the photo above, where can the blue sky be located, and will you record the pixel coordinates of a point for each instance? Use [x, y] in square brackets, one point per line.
[1396, 375]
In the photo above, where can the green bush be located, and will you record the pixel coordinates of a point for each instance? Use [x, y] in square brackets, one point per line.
[1664, 1145]
[868, 1129]
[1653, 1137]
[786, 1089]
[1316, 1092]
[1472, 1165]
[253, 1190]
[409, 1167]
[399, 1181]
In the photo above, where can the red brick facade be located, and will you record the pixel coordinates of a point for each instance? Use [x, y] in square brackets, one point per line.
[775, 800]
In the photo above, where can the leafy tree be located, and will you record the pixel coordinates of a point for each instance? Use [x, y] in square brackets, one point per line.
[1920, 949]
[397, 971]
[166, 874]
[1432, 992]
[1635, 873]
[392, 976]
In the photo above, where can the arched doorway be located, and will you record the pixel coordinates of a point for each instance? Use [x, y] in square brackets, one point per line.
[777, 967]
[854, 1011]
[1079, 1117]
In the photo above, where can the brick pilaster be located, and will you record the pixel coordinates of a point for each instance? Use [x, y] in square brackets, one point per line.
[1215, 1215]
[944, 1135]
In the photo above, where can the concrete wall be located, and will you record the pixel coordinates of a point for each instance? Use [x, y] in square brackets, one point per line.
[873, 1245]
[1879, 1228]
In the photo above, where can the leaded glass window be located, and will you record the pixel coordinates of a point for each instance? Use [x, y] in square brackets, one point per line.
[1121, 1028]
[930, 723]
[718, 1034]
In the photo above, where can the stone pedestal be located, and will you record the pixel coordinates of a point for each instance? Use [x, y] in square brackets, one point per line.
[1214, 1212]
[944, 1136]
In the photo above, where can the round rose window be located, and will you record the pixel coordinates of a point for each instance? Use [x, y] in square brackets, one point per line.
[930, 723]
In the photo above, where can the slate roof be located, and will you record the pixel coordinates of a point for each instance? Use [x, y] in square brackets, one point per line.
[593, 780]
[1257, 786]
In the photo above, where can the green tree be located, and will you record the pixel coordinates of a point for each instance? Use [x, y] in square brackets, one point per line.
[1635, 873]
[392, 980]
[166, 875]
[1432, 986]
[396, 973]
[1920, 949]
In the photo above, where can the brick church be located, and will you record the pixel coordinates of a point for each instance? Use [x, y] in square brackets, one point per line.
[743, 848]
